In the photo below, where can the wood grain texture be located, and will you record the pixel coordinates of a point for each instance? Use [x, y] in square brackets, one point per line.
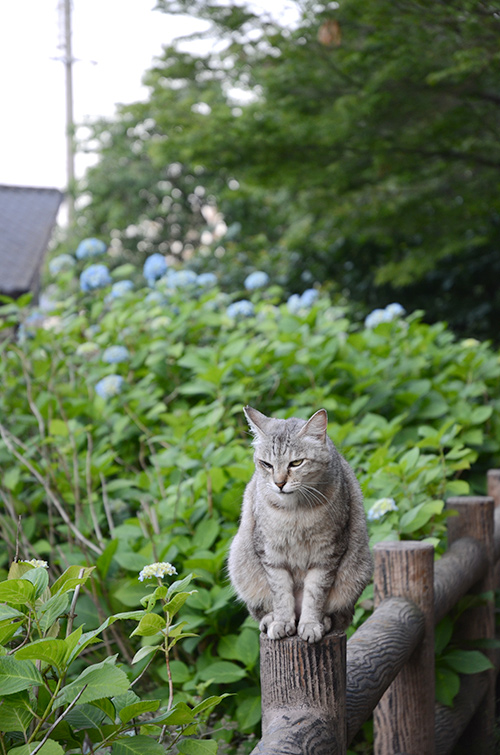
[476, 519]
[403, 715]
[303, 696]
[376, 653]
[461, 567]
[451, 722]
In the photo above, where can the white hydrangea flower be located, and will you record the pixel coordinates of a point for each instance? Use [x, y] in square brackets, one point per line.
[36, 563]
[470, 343]
[380, 508]
[158, 569]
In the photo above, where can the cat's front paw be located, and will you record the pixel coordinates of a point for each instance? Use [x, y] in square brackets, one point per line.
[276, 629]
[279, 629]
[311, 631]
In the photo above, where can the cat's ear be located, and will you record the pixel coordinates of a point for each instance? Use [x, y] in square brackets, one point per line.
[316, 426]
[257, 421]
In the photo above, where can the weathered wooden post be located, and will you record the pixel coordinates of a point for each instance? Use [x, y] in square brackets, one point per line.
[494, 485]
[404, 717]
[494, 492]
[303, 696]
[476, 519]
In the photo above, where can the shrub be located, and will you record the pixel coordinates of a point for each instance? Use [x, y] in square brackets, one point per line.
[152, 467]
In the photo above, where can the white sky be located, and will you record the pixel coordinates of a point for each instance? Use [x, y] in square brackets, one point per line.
[121, 36]
[114, 42]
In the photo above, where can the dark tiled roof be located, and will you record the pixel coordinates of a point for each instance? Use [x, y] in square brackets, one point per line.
[27, 218]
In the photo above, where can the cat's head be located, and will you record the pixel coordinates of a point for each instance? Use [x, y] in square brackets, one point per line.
[293, 456]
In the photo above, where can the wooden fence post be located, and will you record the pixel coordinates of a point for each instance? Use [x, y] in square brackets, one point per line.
[303, 696]
[494, 485]
[404, 717]
[476, 519]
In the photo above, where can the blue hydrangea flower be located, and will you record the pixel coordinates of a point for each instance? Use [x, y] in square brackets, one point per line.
[376, 317]
[206, 280]
[90, 248]
[179, 278]
[298, 302]
[390, 313]
[60, 263]
[308, 297]
[257, 279]
[154, 267]
[116, 354]
[95, 276]
[154, 297]
[395, 310]
[109, 386]
[380, 508]
[120, 288]
[242, 308]
[294, 304]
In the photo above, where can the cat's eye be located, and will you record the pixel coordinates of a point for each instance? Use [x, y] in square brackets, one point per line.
[296, 463]
[265, 464]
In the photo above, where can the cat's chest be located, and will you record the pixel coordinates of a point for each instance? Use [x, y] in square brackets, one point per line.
[292, 538]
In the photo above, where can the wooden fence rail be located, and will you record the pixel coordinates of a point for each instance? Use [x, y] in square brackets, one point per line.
[315, 698]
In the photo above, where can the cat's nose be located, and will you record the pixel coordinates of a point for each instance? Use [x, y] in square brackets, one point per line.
[280, 484]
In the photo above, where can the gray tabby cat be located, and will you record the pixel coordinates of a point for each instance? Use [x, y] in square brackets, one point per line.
[300, 558]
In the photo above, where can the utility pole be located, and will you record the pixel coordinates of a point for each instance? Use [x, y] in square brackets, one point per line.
[70, 125]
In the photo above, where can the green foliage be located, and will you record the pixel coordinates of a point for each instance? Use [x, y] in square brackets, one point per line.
[51, 714]
[362, 150]
[156, 472]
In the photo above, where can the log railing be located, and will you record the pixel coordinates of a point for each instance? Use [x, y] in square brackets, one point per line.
[315, 698]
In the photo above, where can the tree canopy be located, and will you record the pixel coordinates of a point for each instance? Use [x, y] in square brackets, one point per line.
[357, 144]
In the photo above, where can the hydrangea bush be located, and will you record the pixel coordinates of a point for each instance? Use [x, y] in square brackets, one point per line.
[138, 460]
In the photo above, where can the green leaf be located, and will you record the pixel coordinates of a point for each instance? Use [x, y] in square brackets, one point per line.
[104, 561]
[53, 652]
[209, 703]
[52, 610]
[16, 675]
[206, 533]
[248, 713]
[179, 715]
[144, 652]
[50, 747]
[409, 460]
[85, 716]
[243, 647]
[222, 672]
[7, 612]
[177, 602]
[179, 585]
[197, 746]
[70, 579]
[14, 713]
[447, 685]
[10, 477]
[101, 680]
[137, 745]
[180, 672]
[39, 577]
[132, 711]
[414, 519]
[149, 625]
[442, 634]
[58, 427]
[17, 591]
[467, 661]
[8, 628]
[106, 706]
[481, 414]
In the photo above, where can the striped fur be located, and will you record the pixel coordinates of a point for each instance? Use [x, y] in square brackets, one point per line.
[300, 558]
